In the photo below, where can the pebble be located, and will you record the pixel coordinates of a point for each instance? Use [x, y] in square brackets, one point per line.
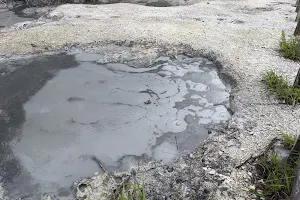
[231, 143]
[252, 187]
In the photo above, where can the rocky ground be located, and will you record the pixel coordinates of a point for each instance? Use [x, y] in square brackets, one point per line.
[240, 36]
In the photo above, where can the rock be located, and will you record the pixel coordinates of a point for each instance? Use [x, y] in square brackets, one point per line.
[56, 16]
[46, 197]
[231, 143]
[191, 155]
[251, 187]
[16, 5]
[223, 188]
[170, 169]
[282, 152]
[36, 11]
[147, 102]
[96, 188]
[74, 99]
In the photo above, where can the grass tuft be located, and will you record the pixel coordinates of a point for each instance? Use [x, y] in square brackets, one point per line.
[290, 48]
[133, 191]
[277, 176]
[288, 140]
[280, 86]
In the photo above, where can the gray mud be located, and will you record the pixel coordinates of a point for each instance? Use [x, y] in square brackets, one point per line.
[61, 115]
[9, 18]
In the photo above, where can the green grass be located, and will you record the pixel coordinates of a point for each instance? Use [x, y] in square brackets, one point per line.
[281, 88]
[136, 191]
[277, 176]
[133, 191]
[288, 140]
[290, 48]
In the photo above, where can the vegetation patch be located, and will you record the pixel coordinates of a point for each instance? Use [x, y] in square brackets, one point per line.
[288, 140]
[290, 48]
[276, 174]
[281, 88]
[132, 191]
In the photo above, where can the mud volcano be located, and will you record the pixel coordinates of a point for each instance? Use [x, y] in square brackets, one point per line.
[62, 114]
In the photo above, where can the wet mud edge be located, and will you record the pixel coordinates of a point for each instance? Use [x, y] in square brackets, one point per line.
[224, 70]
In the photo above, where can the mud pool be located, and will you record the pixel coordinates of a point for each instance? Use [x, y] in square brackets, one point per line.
[9, 18]
[66, 113]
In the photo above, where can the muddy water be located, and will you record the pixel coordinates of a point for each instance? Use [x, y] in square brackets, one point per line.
[9, 18]
[113, 113]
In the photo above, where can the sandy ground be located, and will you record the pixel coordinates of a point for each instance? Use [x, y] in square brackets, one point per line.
[243, 36]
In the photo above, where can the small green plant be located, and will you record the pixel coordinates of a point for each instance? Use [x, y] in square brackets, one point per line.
[280, 86]
[288, 140]
[277, 176]
[133, 191]
[290, 48]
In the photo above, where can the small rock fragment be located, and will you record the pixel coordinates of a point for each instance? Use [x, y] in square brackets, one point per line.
[252, 187]
[192, 155]
[147, 102]
[212, 172]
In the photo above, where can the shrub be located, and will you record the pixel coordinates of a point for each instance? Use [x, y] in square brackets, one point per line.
[281, 88]
[291, 48]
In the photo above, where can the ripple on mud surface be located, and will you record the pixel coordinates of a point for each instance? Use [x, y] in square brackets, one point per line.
[116, 113]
